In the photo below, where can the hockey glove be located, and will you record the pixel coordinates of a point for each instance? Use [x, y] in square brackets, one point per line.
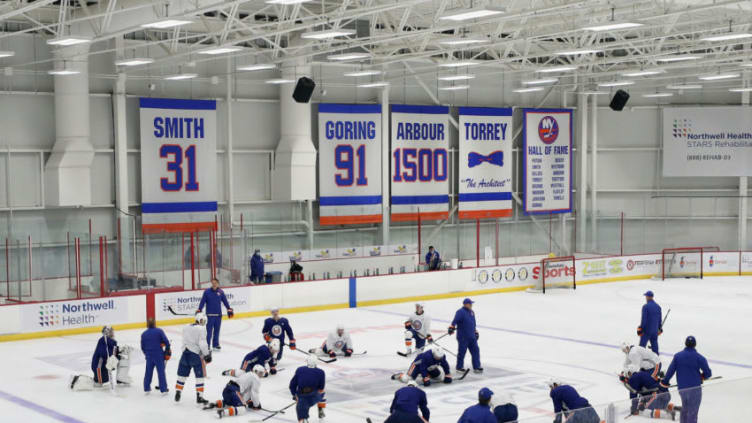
[477, 336]
[660, 331]
[639, 331]
[426, 381]
[208, 358]
[348, 352]
[447, 379]
[267, 337]
[451, 330]
[250, 405]
[292, 344]
[623, 378]
[198, 311]
[332, 354]
[167, 354]
[664, 384]
[408, 324]
[273, 370]
[230, 313]
[429, 338]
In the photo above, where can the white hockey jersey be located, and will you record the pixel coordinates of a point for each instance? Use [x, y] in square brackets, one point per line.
[336, 343]
[421, 323]
[639, 358]
[194, 340]
[250, 385]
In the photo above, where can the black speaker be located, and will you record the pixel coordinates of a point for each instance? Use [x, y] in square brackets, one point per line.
[619, 101]
[304, 90]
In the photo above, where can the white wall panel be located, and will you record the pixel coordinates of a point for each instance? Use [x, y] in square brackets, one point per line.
[256, 125]
[28, 121]
[100, 123]
[103, 179]
[25, 182]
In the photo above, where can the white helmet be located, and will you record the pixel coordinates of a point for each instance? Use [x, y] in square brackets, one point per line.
[201, 319]
[412, 382]
[311, 361]
[625, 346]
[438, 353]
[554, 381]
[274, 345]
[259, 370]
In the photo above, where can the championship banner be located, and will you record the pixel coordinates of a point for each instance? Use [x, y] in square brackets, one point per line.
[349, 164]
[547, 160]
[485, 137]
[420, 168]
[178, 165]
[707, 141]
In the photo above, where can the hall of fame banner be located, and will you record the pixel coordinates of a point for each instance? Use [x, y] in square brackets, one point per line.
[349, 164]
[178, 165]
[420, 182]
[547, 160]
[485, 168]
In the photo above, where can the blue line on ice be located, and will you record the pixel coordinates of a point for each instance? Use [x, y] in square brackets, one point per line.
[38, 408]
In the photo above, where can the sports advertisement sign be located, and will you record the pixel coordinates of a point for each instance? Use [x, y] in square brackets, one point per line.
[178, 165]
[74, 314]
[186, 302]
[349, 164]
[420, 162]
[547, 160]
[485, 162]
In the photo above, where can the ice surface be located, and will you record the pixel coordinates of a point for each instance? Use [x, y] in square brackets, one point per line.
[524, 339]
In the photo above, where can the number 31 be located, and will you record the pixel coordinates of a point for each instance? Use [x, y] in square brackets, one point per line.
[176, 167]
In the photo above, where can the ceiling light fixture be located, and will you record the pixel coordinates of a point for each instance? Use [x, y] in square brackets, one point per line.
[727, 37]
[556, 69]
[578, 51]
[718, 77]
[684, 86]
[612, 26]
[528, 90]
[257, 67]
[286, 2]
[458, 64]
[62, 72]
[180, 76]
[136, 61]
[278, 81]
[463, 41]
[220, 50]
[349, 56]
[644, 72]
[454, 88]
[329, 33]
[374, 84]
[166, 23]
[741, 90]
[363, 73]
[7, 53]
[657, 95]
[472, 14]
[615, 83]
[456, 77]
[68, 41]
[541, 81]
[678, 58]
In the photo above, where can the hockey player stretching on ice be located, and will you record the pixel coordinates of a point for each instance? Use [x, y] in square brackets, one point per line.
[640, 358]
[240, 394]
[650, 324]
[405, 405]
[646, 393]
[691, 369]
[307, 389]
[277, 327]
[418, 328]
[194, 349]
[263, 355]
[337, 343]
[213, 298]
[567, 401]
[467, 336]
[429, 366]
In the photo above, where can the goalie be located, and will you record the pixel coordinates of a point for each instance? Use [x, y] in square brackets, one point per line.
[108, 361]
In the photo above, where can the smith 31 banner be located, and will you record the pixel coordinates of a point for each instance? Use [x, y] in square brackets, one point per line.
[707, 141]
[349, 164]
[420, 168]
[178, 164]
[485, 137]
[547, 157]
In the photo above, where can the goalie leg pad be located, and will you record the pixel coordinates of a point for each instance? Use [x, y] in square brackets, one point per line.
[81, 383]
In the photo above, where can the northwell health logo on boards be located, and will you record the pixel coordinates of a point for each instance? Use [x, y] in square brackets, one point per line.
[63, 315]
[682, 127]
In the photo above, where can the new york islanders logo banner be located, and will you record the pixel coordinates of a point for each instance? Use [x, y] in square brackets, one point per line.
[420, 166]
[178, 164]
[349, 164]
[547, 157]
[485, 168]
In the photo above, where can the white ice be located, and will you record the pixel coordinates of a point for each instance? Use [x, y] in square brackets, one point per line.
[524, 339]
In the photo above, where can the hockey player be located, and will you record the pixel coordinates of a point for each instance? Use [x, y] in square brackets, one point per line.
[277, 327]
[405, 405]
[467, 336]
[337, 343]
[567, 401]
[691, 369]
[429, 366]
[307, 389]
[104, 355]
[153, 340]
[650, 324]
[640, 358]
[418, 328]
[240, 394]
[263, 355]
[504, 409]
[480, 412]
[646, 393]
[213, 298]
[195, 349]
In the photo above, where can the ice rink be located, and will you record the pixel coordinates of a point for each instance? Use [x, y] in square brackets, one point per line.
[524, 339]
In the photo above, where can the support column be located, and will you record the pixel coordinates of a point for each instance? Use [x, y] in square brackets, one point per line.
[743, 184]
[594, 172]
[386, 169]
[229, 150]
[120, 129]
[582, 112]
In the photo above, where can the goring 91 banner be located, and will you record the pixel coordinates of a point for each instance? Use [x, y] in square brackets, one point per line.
[420, 162]
[547, 158]
[349, 164]
[485, 138]
[178, 164]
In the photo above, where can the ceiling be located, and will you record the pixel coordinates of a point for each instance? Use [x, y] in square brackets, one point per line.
[405, 38]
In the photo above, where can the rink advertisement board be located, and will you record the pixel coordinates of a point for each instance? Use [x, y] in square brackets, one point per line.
[485, 162]
[420, 162]
[74, 314]
[707, 141]
[178, 164]
[349, 164]
[186, 302]
[547, 160]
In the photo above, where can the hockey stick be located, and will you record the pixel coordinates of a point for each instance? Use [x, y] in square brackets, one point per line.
[444, 348]
[169, 308]
[400, 353]
[665, 318]
[332, 360]
[464, 374]
[274, 413]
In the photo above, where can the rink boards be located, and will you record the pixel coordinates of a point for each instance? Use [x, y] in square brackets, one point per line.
[34, 320]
